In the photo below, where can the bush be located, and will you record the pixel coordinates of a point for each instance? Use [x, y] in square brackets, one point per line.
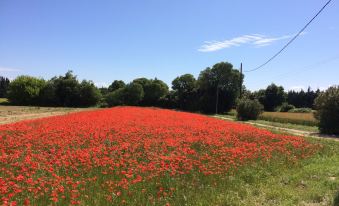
[248, 109]
[327, 105]
[285, 107]
[25, 90]
[301, 110]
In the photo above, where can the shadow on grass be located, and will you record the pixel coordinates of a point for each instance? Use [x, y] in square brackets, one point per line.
[336, 200]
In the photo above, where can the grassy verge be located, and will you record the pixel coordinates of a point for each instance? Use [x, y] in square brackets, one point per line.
[287, 125]
[278, 124]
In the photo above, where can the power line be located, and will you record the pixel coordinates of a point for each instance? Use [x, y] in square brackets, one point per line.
[301, 69]
[288, 43]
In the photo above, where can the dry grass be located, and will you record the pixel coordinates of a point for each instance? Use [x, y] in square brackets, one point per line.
[288, 117]
[9, 114]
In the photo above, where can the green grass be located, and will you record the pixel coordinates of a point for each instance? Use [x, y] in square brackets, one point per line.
[278, 124]
[288, 125]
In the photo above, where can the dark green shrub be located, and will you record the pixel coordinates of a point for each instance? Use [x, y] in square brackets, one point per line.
[327, 105]
[248, 109]
[285, 107]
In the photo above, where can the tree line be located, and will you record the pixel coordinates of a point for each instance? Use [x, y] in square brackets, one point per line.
[216, 90]
[64, 91]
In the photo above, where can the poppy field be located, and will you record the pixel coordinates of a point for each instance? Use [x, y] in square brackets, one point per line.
[131, 155]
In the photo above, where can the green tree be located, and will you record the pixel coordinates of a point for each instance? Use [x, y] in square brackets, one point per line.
[115, 98]
[274, 97]
[327, 105]
[131, 94]
[4, 83]
[47, 96]
[219, 88]
[25, 90]
[154, 90]
[67, 90]
[185, 91]
[116, 84]
[89, 94]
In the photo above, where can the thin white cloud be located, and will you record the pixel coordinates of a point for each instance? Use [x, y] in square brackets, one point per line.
[257, 40]
[7, 69]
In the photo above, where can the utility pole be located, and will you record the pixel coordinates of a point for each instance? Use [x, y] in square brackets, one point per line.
[240, 80]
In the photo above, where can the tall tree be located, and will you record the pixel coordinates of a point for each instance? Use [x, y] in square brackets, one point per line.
[302, 98]
[131, 94]
[116, 84]
[219, 87]
[185, 88]
[154, 90]
[4, 83]
[274, 97]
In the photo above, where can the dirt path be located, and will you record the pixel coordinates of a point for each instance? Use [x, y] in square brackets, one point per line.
[291, 131]
[10, 114]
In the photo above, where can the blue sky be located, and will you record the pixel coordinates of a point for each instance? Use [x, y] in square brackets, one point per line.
[107, 40]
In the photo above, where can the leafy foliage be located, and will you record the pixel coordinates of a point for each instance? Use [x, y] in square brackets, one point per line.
[59, 91]
[115, 98]
[89, 94]
[248, 109]
[219, 82]
[272, 97]
[327, 113]
[25, 90]
[116, 84]
[302, 98]
[131, 94]
[154, 90]
[185, 92]
[285, 107]
[4, 83]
